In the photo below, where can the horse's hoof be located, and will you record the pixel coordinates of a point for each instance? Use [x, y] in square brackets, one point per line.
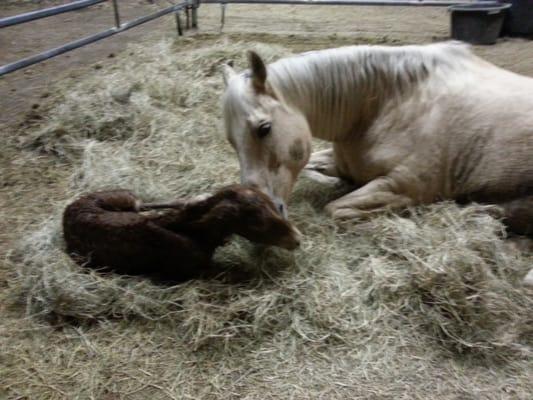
[345, 214]
[528, 280]
[320, 178]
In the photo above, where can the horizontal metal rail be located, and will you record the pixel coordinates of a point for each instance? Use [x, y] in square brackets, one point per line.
[5, 69]
[47, 12]
[427, 3]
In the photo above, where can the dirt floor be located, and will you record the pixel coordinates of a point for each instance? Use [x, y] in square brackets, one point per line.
[22, 89]
[302, 27]
[31, 183]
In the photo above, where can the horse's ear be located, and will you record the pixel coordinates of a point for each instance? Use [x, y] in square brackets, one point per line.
[259, 71]
[228, 72]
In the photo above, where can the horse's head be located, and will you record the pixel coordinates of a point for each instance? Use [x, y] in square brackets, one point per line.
[272, 140]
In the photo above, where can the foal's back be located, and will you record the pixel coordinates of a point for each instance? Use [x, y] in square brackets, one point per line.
[104, 230]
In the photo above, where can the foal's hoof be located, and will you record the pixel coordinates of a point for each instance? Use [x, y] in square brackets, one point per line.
[198, 198]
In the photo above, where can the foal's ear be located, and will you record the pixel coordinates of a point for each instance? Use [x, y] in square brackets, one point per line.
[259, 71]
[228, 72]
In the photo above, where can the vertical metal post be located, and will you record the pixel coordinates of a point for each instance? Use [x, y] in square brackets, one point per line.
[188, 16]
[117, 14]
[195, 14]
[178, 23]
[222, 15]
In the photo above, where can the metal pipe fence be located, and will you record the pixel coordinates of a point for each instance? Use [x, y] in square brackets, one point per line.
[47, 12]
[190, 7]
[186, 5]
[402, 3]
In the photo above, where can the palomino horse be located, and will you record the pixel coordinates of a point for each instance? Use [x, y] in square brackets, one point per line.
[409, 125]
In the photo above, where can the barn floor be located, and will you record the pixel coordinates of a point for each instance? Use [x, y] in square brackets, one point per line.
[428, 306]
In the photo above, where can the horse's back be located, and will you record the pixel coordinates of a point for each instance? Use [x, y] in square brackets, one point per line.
[492, 138]
[464, 134]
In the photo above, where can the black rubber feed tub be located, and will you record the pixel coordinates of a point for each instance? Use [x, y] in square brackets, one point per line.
[478, 23]
[519, 18]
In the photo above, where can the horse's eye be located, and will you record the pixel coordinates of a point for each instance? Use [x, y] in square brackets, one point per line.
[264, 129]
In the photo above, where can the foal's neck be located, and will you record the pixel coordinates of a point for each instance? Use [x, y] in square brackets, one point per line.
[211, 220]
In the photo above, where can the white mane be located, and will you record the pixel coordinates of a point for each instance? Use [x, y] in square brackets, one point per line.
[344, 89]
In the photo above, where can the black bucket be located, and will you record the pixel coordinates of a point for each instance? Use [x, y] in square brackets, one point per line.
[519, 18]
[478, 23]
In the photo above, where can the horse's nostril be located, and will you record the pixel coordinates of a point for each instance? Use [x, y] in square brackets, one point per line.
[282, 209]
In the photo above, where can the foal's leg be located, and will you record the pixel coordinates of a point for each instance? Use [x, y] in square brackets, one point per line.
[176, 256]
[175, 204]
[377, 195]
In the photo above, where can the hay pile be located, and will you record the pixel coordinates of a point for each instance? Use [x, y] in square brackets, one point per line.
[428, 306]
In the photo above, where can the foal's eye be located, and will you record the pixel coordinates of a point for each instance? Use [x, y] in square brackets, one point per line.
[264, 129]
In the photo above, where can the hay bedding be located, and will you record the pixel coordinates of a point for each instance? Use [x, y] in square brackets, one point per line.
[425, 306]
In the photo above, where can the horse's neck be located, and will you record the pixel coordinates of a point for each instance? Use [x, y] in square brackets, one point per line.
[342, 91]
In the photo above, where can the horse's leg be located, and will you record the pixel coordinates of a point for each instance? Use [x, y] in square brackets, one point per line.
[322, 167]
[518, 217]
[323, 161]
[375, 196]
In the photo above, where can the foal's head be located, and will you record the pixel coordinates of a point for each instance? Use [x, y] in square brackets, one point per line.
[272, 140]
[253, 215]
